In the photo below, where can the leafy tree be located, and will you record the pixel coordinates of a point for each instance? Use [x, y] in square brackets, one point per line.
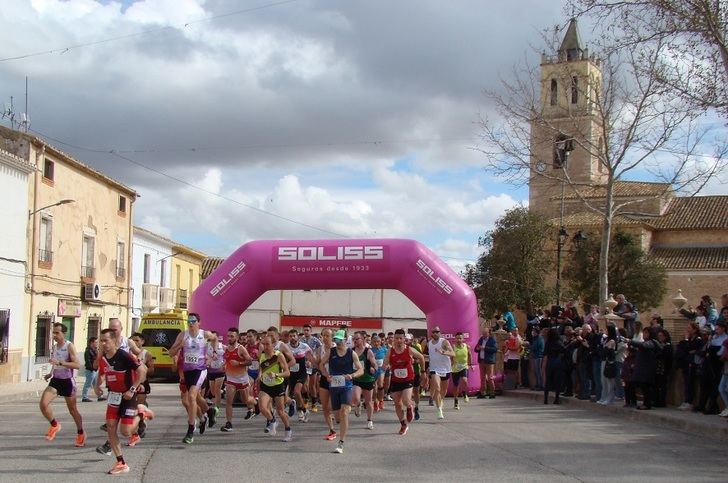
[631, 271]
[513, 269]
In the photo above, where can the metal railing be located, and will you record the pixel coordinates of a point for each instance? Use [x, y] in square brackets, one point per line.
[87, 272]
[120, 272]
[45, 256]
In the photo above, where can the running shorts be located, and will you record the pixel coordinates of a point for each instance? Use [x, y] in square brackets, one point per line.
[274, 391]
[195, 378]
[125, 411]
[366, 386]
[457, 375]
[64, 387]
[340, 396]
[400, 386]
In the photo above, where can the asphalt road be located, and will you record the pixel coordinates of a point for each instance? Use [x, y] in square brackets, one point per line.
[488, 440]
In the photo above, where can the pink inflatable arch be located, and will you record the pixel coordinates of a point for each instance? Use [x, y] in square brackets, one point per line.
[404, 265]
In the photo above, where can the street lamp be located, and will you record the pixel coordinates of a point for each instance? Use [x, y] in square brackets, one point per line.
[562, 149]
[59, 203]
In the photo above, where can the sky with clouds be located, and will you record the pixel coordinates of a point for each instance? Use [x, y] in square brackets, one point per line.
[240, 120]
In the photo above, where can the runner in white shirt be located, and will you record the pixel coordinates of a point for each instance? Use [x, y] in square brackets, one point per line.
[193, 344]
[215, 375]
[440, 352]
[303, 358]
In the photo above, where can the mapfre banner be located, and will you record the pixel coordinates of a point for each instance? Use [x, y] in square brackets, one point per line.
[330, 322]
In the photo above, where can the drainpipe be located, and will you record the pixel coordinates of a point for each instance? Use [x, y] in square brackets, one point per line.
[33, 252]
[129, 294]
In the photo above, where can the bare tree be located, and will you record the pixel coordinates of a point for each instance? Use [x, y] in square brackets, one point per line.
[694, 36]
[634, 128]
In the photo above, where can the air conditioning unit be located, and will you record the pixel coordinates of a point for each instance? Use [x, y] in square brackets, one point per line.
[150, 296]
[166, 299]
[91, 292]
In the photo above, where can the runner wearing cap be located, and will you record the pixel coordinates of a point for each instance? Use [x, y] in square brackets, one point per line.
[340, 367]
[192, 343]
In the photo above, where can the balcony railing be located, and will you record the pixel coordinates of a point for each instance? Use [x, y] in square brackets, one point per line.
[87, 272]
[120, 272]
[45, 256]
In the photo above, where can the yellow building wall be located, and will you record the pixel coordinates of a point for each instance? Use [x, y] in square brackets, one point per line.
[55, 287]
[186, 267]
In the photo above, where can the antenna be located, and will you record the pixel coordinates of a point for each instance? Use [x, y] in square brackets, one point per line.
[9, 113]
[26, 117]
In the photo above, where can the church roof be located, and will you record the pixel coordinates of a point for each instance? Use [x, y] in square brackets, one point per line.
[694, 213]
[622, 189]
[571, 38]
[209, 265]
[589, 218]
[692, 258]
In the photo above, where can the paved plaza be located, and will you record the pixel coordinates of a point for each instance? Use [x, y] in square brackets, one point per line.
[506, 439]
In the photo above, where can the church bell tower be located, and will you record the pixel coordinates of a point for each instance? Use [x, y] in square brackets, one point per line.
[567, 135]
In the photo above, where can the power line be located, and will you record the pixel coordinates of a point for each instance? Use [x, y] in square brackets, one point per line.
[63, 50]
[218, 195]
[377, 142]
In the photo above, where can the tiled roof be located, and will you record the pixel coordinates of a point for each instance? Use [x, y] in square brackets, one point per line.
[695, 213]
[589, 218]
[622, 189]
[209, 265]
[692, 258]
[14, 135]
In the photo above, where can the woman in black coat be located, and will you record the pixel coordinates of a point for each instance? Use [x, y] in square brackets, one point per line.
[645, 366]
[553, 354]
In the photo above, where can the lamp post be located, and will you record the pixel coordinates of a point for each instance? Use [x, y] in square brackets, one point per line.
[33, 252]
[562, 150]
[59, 203]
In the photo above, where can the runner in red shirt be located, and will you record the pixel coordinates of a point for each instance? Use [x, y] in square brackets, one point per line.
[399, 360]
[122, 372]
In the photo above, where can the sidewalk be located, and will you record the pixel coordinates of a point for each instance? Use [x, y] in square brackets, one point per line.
[24, 391]
[699, 424]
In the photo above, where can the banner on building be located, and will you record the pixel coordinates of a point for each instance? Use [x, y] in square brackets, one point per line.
[322, 322]
[69, 308]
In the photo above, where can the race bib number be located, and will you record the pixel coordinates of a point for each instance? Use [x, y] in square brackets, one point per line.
[111, 378]
[114, 398]
[380, 362]
[254, 365]
[295, 367]
[400, 373]
[338, 381]
[269, 379]
[191, 359]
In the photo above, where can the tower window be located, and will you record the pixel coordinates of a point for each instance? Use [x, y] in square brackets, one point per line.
[554, 92]
[574, 90]
[563, 146]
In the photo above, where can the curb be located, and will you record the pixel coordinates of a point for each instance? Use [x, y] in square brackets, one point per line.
[713, 427]
[22, 396]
